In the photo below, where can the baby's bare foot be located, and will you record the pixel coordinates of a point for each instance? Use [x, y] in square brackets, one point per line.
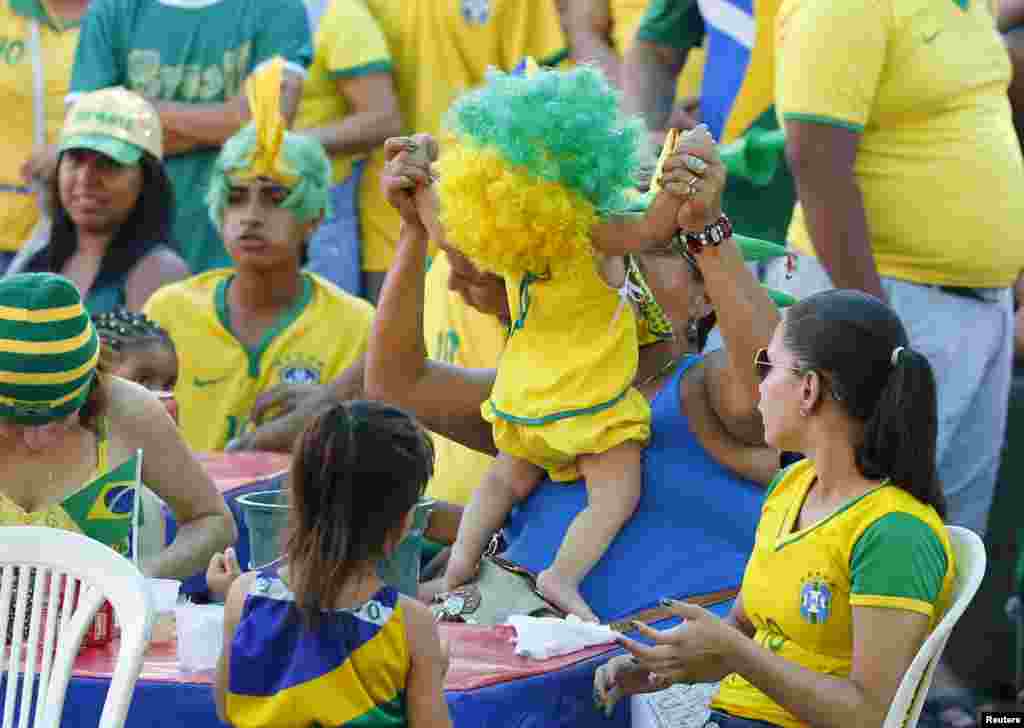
[458, 572]
[564, 595]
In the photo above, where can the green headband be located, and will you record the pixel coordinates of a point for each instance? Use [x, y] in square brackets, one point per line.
[48, 349]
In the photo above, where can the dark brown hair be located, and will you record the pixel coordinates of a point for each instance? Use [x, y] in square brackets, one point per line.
[147, 227]
[859, 346]
[357, 470]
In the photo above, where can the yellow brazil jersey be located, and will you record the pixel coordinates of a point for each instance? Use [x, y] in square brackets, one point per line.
[457, 333]
[19, 210]
[441, 48]
[924, 82]
[564, 382]
[883, 549]
[219, 378]
[347, 44]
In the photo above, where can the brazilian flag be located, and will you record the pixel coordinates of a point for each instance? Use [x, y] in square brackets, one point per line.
[104, 509]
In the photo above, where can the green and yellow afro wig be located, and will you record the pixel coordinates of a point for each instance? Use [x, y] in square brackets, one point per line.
[529, 164]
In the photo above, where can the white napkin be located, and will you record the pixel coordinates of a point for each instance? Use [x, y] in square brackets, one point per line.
[540, 638]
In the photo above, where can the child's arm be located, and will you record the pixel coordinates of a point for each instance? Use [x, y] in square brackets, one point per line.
[634, 233]
[424, 690]
[232, 616]
[222, 573]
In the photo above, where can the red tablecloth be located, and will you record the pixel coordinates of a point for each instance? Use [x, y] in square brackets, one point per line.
[231, 470]
[480, 656]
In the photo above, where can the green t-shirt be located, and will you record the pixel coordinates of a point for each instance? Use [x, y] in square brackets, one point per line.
[193, 51]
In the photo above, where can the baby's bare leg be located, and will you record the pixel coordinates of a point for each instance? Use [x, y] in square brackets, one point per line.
[509, 481]
[613, 491]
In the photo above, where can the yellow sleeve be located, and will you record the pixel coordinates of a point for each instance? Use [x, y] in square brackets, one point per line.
[530, 28]
[353, 41]
[847, 41]
[157, 309]
[626, 15]
[354, 316]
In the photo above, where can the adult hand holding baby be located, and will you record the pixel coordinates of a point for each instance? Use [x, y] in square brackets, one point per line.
[695, 172]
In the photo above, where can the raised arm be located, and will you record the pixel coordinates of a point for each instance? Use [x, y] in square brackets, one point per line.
[445, 398]
[746, 315]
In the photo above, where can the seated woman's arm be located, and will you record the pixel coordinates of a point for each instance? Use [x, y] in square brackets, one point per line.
[446, 399]
[160, 267]
[205, 525]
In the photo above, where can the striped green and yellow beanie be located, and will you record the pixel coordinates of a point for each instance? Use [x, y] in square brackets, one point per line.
[48, 349]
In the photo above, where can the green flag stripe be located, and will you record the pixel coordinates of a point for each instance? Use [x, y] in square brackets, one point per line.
[391, 713]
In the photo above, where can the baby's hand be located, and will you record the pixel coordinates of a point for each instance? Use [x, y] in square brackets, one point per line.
[222, 572]
[695, 172]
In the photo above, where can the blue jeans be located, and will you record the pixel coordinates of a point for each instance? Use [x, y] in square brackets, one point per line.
[6, 257]
[335, 249]
[724, 720]
[969, 343]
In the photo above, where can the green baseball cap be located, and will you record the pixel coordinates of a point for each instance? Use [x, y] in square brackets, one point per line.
[115, 122]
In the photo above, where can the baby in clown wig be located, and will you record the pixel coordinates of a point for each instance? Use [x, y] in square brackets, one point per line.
[536, 180]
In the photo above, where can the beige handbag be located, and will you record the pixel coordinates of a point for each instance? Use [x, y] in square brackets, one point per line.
[503, 589]
[500, 590]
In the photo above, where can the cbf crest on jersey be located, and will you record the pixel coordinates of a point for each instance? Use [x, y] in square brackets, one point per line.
[476, 12]
[300, 370]
[815, 600]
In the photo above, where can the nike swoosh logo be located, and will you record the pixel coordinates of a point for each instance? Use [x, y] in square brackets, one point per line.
[207, 382]
[933, 36]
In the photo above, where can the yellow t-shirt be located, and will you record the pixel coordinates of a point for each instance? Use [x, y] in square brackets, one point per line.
[19, 210]
[457, 333]
[564, 382]
[626, 16]
[441, 48]
[883, 549]
[938, 163]
[219, 378]
[347, 44]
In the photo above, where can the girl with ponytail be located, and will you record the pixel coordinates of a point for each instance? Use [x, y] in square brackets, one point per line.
[852, 565]
[305, 628]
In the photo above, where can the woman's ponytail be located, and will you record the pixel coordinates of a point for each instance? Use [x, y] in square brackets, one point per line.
[900, 435]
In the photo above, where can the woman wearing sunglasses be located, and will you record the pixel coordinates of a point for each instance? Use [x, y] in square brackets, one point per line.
[852, 567]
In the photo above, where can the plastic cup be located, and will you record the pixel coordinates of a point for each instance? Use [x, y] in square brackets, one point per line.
[165, 598]
[200, 631]
[266, 514]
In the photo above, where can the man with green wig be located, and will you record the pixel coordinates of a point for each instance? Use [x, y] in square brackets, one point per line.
[264, 322]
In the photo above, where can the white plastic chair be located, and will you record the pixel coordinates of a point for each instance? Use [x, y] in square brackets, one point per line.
[42, 556]
[969, 551]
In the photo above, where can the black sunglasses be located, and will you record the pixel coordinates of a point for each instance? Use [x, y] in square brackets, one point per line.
[763, 365]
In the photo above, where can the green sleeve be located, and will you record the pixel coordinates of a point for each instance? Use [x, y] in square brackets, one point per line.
[899, 555]
[285, 33]
[99, 60]
[673, 23]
